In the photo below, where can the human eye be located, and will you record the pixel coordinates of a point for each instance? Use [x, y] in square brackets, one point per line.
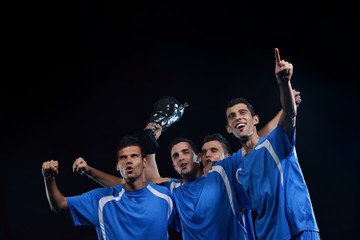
[174, 156]
[231, 116]
[214, 150]
[243, 112]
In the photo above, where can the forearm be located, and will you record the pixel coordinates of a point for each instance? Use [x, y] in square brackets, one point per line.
[264, 131]
[287, 118]
[104, 179]
[55, 198]
[151, 172]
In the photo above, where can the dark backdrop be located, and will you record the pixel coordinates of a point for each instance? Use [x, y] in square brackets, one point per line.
[78, 76]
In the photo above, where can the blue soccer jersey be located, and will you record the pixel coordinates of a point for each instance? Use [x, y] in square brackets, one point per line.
[271, 179]
[119, 214]
[207, 207]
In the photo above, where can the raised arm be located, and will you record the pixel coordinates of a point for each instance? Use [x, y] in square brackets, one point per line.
[283, 73]
[107, 180]
[264, 131]
[151, 172]
[56, 200]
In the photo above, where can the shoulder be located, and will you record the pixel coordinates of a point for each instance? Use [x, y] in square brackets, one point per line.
[160, 191]
[172, 183]
[161, 180]
[158, 187]
[279, 135]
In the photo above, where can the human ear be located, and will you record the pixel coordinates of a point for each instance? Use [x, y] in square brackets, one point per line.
[228, 129]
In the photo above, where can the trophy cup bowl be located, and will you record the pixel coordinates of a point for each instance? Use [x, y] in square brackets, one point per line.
[166, 111]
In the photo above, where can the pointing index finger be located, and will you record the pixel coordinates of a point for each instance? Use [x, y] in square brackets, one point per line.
[277, 56]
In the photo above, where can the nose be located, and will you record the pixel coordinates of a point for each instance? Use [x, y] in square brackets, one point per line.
[207, 154]
[237, 116]
[128, 160]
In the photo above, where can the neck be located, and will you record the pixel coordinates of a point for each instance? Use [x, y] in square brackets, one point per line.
[249, 143]
[195, 173]
[134, 185]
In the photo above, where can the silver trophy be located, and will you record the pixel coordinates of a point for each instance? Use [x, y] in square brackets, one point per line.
[167, 111]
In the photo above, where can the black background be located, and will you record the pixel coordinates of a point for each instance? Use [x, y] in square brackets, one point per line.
[78, 76]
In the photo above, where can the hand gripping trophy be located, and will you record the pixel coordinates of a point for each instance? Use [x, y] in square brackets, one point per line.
[167, 111]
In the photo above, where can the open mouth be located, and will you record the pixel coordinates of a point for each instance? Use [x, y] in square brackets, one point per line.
[129, 169]
[183, 165]
[240, 126]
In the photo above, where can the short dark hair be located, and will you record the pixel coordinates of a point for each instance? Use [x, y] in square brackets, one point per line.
[177, 140]
[128, 141]
[235, 101]
[218, 137]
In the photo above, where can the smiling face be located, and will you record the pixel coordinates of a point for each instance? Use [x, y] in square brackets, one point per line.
[240, 121]
[131, 164]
